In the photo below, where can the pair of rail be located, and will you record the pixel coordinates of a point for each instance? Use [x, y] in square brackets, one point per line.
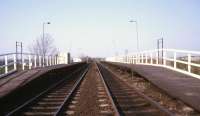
[59, 111]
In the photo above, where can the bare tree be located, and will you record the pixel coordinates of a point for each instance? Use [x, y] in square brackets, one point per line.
[43, 46]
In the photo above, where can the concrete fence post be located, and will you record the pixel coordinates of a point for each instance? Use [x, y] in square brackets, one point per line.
[6, 64]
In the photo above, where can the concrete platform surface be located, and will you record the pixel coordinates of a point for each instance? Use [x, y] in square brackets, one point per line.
[18, 79]
[177, 85]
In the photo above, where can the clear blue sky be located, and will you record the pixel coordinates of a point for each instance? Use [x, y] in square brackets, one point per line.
[101, 27]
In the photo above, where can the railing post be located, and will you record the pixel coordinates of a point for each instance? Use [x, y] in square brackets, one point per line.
[14, 61]
[47, 60]
[22, 63]
[132, 59]
[29, 62]
[175, 60]
[6, 64]
[135, 59]
[164, 58]
[189, 63]
[146, 58]
[35, 61]
[124, 59]
[151, 55]
[157, 58]
[142, 58]
[55, 60]
[50, 60]
[43, 60]
[40, 61]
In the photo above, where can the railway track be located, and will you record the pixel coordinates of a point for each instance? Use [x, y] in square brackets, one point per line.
[51, 100]
[91, 98]
[129, 101]
[94, 91]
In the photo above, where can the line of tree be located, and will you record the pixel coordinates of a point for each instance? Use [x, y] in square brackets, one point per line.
[43, 45]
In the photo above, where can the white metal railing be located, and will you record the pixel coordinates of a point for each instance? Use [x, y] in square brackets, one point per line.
[11, 62]
[187, 62]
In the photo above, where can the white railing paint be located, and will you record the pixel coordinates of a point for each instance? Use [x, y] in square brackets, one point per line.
[28, 60]
[149, 58]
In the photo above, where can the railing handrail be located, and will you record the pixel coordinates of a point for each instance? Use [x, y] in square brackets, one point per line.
[164, 49]
[6, 54]
[151, 56]
[10, 61]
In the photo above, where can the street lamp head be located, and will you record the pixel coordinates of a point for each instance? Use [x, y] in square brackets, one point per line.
[48, 23]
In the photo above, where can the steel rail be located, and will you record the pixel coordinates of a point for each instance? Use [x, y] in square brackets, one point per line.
[39, 95]
[108, 93]
[60, 109]
[154, 103]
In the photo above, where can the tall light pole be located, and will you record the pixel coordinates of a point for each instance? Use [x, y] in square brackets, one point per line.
[136, 26]
[43, 26]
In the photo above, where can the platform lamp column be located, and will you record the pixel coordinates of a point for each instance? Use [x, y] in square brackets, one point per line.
[43, 36]
[136, 26]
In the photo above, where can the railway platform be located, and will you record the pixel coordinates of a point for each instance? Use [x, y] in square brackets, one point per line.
[177, 85]
[19, 79]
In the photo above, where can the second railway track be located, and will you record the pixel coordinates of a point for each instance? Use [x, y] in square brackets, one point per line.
[129, 101]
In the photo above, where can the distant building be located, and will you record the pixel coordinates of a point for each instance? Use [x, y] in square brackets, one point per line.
[63, 58]
[77, 60]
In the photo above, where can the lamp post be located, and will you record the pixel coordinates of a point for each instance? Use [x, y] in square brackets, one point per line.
[43, 26]
[136, 26]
